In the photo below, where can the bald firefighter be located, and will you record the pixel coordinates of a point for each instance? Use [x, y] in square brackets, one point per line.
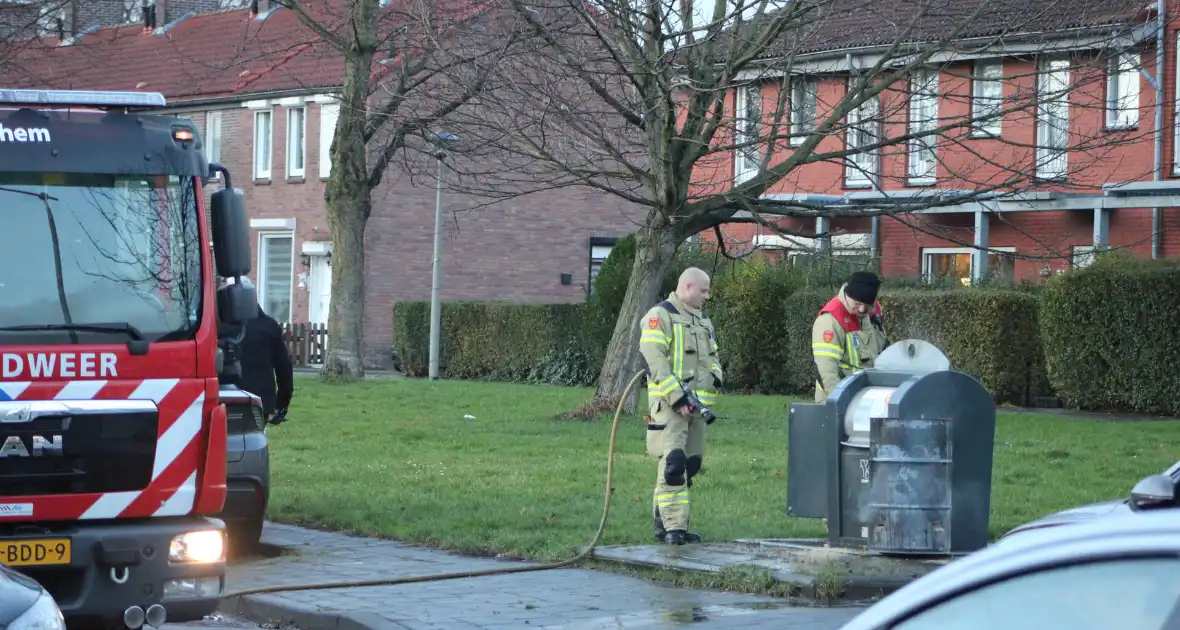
[679, 344]
[848, 334]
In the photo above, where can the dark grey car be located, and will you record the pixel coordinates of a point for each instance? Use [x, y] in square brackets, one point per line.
[247, 474]
[25, 605]
[1152, 493]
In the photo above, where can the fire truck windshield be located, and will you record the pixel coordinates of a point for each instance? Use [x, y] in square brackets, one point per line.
[90, 258]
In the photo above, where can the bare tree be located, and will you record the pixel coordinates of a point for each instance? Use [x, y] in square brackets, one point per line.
[638, 99]
[405, 67]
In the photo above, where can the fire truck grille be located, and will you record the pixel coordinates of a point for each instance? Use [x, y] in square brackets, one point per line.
[95, 452]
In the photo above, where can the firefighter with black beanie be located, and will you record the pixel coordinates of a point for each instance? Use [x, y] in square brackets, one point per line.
[848, 333]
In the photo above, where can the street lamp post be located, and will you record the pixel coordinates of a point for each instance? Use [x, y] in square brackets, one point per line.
[442, 140]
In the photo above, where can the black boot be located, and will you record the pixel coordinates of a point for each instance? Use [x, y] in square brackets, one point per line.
[657, 525]
[674, 537]
[680, 537]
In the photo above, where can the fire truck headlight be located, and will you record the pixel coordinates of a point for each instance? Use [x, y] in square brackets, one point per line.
[42, 615]
[198, 547]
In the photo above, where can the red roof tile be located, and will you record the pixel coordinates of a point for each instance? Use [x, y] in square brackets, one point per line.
[210, 55]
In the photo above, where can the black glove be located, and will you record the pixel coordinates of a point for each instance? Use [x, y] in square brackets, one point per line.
[878, 322]
[279, 416]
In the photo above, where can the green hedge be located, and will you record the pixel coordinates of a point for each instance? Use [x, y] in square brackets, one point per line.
[1112, 337]
[988, 333]
[1078, 335]
[497, 341]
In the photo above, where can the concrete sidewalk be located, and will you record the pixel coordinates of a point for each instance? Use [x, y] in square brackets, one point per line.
[570, 599]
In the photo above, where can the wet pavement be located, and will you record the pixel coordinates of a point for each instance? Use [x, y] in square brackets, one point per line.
[567, 599]
[802, 562]
[222, 622]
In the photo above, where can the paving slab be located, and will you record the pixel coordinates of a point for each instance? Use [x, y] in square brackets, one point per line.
[567, 599]
[800, 562]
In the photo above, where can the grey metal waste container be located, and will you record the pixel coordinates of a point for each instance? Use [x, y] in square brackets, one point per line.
[899, 458]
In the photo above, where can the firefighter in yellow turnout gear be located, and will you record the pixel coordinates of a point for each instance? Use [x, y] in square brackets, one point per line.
[678, 341]
[848, 333]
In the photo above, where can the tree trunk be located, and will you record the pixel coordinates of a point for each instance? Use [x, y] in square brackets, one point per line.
[349, 199]
[346, 312]
[654, 251]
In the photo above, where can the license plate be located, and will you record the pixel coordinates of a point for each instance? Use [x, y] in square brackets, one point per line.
[44, 551]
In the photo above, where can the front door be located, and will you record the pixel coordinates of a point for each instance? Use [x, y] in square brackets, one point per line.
[320, 290]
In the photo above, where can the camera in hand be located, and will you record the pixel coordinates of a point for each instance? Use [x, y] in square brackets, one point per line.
[693, 403]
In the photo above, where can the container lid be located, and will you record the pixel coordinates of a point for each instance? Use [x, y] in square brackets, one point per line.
[912, 355]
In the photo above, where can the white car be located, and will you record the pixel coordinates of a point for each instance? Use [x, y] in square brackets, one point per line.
[1114, 573]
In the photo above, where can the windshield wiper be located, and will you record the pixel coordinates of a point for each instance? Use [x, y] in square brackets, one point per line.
[122, 327]
[45, 197]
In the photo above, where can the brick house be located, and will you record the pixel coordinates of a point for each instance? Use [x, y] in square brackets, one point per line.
[1072, 208]
[267, 116]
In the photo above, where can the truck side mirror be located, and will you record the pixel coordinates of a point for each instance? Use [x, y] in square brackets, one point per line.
[237, 304]
[1152, 492]
[231, 233]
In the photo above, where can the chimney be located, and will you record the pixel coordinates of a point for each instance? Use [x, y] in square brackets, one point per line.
[149, 15]
[258, 7]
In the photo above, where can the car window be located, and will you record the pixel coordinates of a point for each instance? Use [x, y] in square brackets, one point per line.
[1127, 594]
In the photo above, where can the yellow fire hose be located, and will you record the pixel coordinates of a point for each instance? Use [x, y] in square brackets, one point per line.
[610, 469]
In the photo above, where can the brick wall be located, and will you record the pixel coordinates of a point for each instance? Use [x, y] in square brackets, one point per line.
[971, 163]
[90, 13]
[515, 250]
[21, 18]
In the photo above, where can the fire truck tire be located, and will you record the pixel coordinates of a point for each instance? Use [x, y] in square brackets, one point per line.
[244, 536]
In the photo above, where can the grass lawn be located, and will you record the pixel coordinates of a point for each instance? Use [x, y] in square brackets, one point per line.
[400, 458]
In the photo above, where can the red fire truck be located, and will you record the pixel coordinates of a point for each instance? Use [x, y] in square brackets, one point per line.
[112, 437]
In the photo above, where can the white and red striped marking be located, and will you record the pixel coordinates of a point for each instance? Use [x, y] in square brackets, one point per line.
[173, 487]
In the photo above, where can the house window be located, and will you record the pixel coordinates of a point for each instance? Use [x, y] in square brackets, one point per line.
[329, 114]
[263, 132]
[1122, 91]
[804, 96]
[860, 169]
[1082, 256]
[276, 251]
[213, 138]
[1176, 120]
[923, 120]
[1053, 119]
[49, 21]
[749, 113]
[987, 93]
[844, 253]
[296, 141]
[954, 264]
[599, 249]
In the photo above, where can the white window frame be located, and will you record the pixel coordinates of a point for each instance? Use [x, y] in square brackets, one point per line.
[1052, 79]
[804, 106]
[861, 169]
[213, 139]
[925, 251]
[263, 161]
[598, 255]
[1082, 256]
[987, 97]
[747, 117]
[1122, 91]
[261, 284]
[1176, 119]
[922, 158]
[296, 152]
[329, 115]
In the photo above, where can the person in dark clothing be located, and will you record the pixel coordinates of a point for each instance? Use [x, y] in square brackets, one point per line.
[265, 360]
